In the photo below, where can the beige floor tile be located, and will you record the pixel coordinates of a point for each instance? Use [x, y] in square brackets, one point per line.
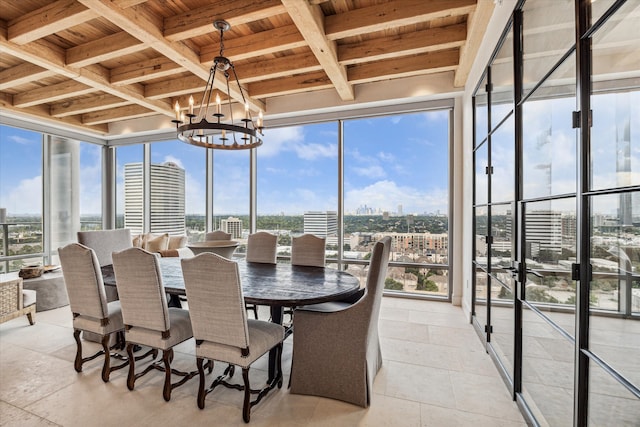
[385, 412]
[483, 395]
[435, 356]
[12, 416]
[27, 376]
[435, 416]
[403, 331]
[417, 383]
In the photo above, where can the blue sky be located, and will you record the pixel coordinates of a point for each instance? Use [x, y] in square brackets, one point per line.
[389, 161]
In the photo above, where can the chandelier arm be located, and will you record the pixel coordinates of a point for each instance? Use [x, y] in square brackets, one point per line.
[229, 102]
[210, 80]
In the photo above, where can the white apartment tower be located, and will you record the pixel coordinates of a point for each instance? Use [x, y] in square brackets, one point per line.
[322, 224]
[232, 226]
[167, 207]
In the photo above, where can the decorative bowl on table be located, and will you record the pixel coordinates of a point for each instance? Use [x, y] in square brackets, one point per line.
[31, 271]
[223, 248]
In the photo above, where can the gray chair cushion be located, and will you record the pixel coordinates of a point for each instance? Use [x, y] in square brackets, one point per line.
[179, 331]
[262, 335]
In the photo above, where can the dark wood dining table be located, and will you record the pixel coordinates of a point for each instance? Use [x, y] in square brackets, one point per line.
[275, 285]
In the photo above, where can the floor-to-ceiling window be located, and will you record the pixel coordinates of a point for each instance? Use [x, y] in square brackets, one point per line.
[562, 248]
[396, 183]
[297, 184]
[20, 198]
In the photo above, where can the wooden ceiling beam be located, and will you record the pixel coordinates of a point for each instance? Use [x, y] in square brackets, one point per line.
[56, 16]
[279, 67]
[293, 84]
[403, 44]
[144, 70]
[51, 93]
[113, 114]
[199, 22]
[477, 23]
[21, 74]
[175, 87]
[425, 63]
[393, 14]
[41, 112]
[258, 44]
[136, 22]
[108, 47]
[310, 22]
[96, 102]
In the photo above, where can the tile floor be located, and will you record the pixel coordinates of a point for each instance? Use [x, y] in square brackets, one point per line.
[435, 373]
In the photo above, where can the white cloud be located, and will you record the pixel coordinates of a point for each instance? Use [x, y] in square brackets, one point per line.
[173, 159]
[387, 195]
[20, 140]
[26, 197]
[292, 139]
[374, 171]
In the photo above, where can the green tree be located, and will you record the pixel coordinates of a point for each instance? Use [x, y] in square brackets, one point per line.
[389, 283]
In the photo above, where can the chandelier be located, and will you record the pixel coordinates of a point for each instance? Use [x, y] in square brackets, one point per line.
[210, 127]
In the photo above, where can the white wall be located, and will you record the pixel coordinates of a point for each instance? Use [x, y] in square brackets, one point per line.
[499, 19]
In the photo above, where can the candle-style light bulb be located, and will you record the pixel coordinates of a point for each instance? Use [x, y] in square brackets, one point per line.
[246, 110]
[190, 104]
[224, 133]
[217, 103]
[177, 109]
[260, 119]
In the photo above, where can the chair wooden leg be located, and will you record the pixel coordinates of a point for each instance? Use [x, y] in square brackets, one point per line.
[167, 357]
[31, 316]
[106, 366]
[77, 364]
[131, 377]
[246, 407]
[201, 391]
[279, 374]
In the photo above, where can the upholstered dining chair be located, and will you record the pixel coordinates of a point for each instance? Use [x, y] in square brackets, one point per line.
[221, 328]
[262, 247]
[308, 250]
[88, 302]
[105, 242]
[336, 349]
[148, 321]
[217, 235]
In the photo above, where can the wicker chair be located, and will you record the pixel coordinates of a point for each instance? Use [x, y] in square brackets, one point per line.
[88, 302]
[221, 328]
[336, 349]
[147, 319]
[16, 302]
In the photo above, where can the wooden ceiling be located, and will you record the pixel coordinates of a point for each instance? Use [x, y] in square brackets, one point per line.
[85, 64]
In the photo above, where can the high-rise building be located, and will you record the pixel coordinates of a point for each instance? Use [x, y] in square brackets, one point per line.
[544, 231]
[321, 224]
[167, 206]
[232, 226]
